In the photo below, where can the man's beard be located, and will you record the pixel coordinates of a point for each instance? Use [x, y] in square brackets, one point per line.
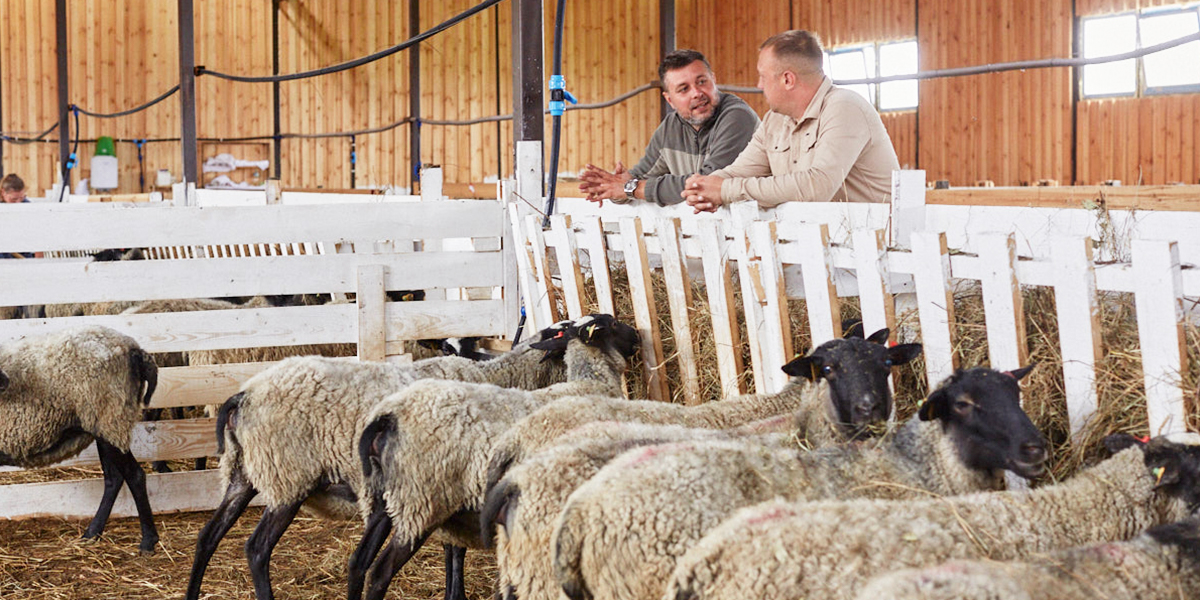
[696, 121]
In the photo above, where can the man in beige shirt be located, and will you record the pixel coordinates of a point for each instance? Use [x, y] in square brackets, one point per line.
[817, 142]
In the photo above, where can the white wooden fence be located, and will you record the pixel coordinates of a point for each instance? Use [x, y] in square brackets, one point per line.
[367, 264]
[891, 259]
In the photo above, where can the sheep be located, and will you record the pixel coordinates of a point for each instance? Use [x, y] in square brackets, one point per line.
[303, 415]
[821, 550]
[1161, 564]
[523, 506]
[858, 399]
[965, 434]
[67, 388]
[424, 451]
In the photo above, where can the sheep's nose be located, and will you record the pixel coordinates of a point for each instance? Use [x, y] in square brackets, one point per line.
[863, 410]
[1033, 452]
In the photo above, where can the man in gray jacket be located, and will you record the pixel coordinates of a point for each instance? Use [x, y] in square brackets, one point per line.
[706, 132]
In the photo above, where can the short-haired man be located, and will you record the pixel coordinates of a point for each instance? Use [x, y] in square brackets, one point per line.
[817, 143]
[706, 131]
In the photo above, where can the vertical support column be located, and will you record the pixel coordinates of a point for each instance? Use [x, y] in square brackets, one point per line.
[64, 97]
[371, 301]
[666, 39]
[1158, 297]
[528, 95]
[432, 192]
[414, 92]
[277, 125]
[187, 95]
[512, 245]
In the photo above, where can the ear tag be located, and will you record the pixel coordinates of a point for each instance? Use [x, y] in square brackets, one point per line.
[1158, 474]
[1145, 439]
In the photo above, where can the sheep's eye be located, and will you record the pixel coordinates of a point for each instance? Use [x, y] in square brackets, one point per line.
[888, 362]
[827, 370]
[962, 406]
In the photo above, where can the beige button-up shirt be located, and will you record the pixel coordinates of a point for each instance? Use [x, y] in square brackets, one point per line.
[838, 150]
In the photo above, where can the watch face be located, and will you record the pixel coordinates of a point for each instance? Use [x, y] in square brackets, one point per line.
[631, 186]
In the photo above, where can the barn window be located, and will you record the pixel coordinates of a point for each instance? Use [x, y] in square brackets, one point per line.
[878, 60]
[1169, 71]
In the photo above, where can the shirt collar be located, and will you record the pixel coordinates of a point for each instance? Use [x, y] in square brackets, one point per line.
[814, 106]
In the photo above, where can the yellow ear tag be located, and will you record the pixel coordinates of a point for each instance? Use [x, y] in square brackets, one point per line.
[590, 329]
[1158, 474]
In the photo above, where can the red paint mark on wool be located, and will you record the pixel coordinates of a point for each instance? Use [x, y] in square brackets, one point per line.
[771, 515]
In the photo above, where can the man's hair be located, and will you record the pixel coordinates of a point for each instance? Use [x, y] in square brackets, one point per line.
[798, 49]
[678, 59]
[12, 183]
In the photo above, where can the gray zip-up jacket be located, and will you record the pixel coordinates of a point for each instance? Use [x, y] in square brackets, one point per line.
[677, 150]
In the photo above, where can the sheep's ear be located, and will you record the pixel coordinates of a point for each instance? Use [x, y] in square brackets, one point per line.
[558, 342]
[880, 337]
[1119, 441]
[935, 406]
[903, 353]
[803, 366]
[1022, 372]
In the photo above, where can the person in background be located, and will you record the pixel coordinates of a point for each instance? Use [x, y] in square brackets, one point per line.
[817, 142]
[705, 132]
[12, 191]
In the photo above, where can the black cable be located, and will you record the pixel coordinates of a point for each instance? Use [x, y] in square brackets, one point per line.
[71, 158]
[160, 98]
[557, 94]
[444, 25]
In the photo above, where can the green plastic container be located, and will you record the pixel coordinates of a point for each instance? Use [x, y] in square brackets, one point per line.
[105, 147]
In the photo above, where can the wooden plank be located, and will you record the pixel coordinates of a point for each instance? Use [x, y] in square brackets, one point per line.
[529, 288]
[935, 304]
[645, 313]
[565, 250]
[1129, 197]
[593, 240]
[871, 269]
[370, 299]
[753, 299]
[547, 300]
[1003, 305]
[776, 339]
[718, 284]
[820, 295]
[169, 493]
[174, 439]
[1078, 315]
[1159, 304]
[679, 298]
[35, 282]
[202, 384]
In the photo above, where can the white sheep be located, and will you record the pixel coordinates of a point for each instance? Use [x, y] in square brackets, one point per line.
[299, 420]
[856, 400]
[523, 506]
[1161, 564]
[965, 434]
[828, 550]
[67, 388]
[425, 449]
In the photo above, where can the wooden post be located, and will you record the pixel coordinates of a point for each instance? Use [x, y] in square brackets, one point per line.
[718, 278]
[1159, 300]
[644, 311]
[679, 297]
[370, 300]
[1003, 305]
[187, 98]
[1078, 328]
[908, 206]
[935, 304]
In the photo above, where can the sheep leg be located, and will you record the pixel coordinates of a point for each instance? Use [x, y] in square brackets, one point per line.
[113, 479]
[262, 542]
[379, 525]
[135, 479]
[237, 498]
[395, 556]
[455, 586]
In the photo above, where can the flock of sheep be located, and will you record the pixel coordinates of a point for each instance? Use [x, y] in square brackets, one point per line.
[809, 493]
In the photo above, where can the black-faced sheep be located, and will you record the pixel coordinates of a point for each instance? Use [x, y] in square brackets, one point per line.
[426, 447]
[67, 388]
[965, 434]
[290, 434]
[827, 550]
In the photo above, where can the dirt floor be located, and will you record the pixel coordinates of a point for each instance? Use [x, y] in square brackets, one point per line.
[47, 559]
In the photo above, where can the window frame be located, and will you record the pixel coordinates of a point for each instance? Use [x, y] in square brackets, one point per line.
[1141, 88]
[875, 89]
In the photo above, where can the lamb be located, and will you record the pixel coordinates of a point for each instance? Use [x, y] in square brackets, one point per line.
[303, 416]
[524, 505]
[64, 389]
[821, 550]
[1161, 564]
[858, 399]
[965, 434]
[424, 452]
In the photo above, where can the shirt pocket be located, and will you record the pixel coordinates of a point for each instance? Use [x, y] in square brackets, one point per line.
[779, 156]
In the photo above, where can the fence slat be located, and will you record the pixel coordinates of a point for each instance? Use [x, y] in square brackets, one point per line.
[718, 278]
[1158, 301]
[1003, 305]
[593, 240]
[679, 299]
[1078, 328]
[169, 492]
[935, 303]
[547, 298]
[529, 289]
[370, 300]
[568, 264]
[820, 295]
[776, 338]
[753, 298]
[644, 310]
[871, 269]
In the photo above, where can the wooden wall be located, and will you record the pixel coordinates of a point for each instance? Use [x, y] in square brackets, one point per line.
[1008, 127]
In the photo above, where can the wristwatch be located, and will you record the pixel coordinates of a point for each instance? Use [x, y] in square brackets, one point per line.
[631, 188]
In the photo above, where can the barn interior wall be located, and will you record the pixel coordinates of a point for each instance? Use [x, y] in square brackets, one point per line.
[1011, 128]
